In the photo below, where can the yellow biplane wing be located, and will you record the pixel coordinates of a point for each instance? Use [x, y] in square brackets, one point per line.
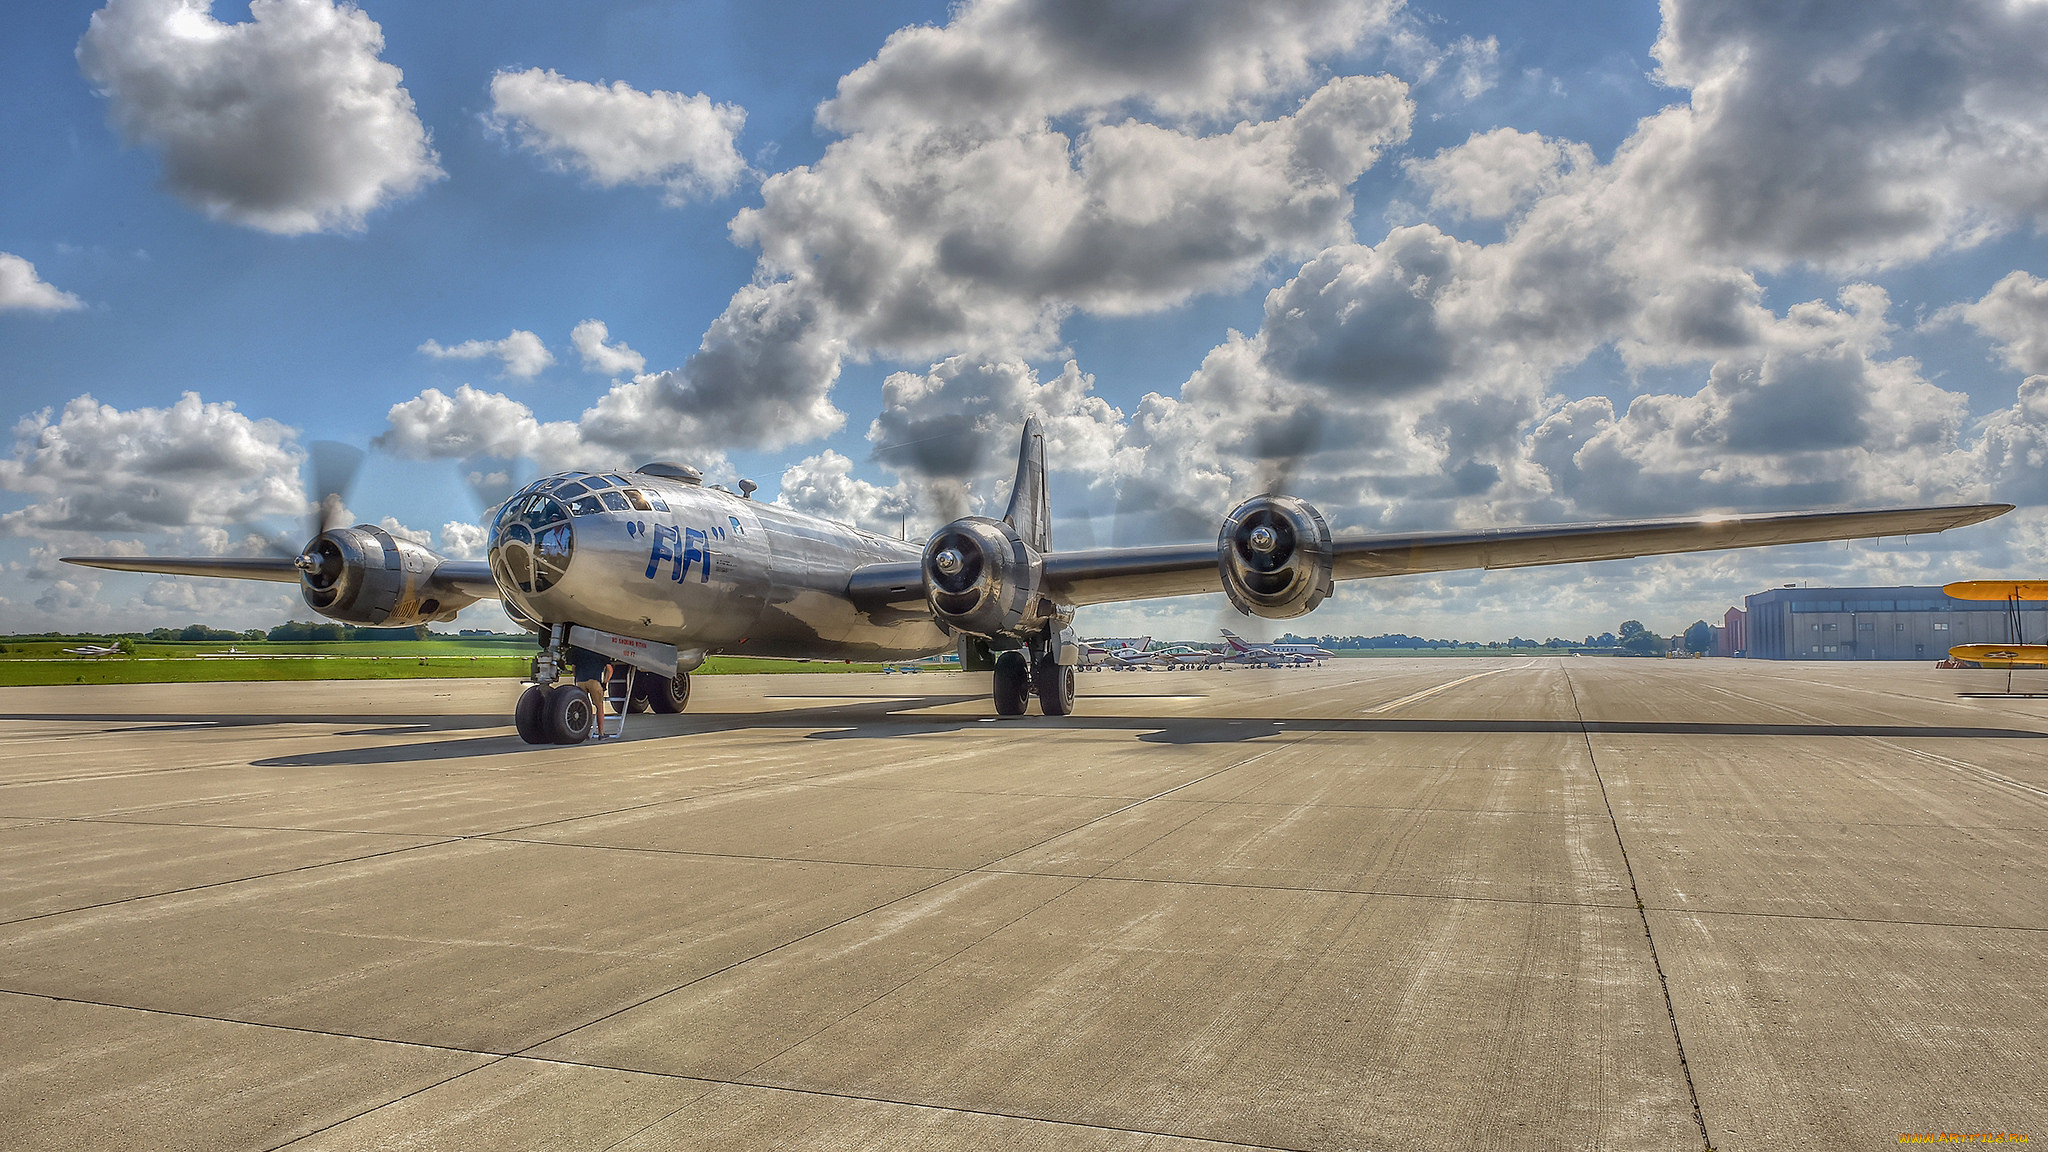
[2001, 655]
[1998, 589]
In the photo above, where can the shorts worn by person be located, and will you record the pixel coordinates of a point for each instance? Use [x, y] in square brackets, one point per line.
[591, 671]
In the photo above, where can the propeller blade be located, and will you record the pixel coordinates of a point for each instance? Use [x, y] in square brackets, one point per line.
[334, 470]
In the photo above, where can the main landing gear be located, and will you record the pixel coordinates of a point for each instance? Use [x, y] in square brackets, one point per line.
[557, 714]
[552, 712]
[1019, 676]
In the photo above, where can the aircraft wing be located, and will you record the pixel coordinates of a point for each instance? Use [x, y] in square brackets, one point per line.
[1105, 575]
[470, 577]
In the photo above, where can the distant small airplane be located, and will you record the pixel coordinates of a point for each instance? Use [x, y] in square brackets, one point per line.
[1185, 656]
[94, 650]
[944, 662]
[1243, 651]
[1114, 654]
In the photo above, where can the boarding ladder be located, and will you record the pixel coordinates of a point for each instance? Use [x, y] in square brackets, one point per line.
[618, 698]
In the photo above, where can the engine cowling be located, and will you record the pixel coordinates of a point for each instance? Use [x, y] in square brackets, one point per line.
[981, 578]
[1275, 556]
[365, 575]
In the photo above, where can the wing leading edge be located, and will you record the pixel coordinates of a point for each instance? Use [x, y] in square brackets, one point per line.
[1105, 575]
[472, 578]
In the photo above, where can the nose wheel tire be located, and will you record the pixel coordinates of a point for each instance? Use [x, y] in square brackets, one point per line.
[1055, 685]
[664, 694]
[568, 714]
[527, 718]
[1013, 683]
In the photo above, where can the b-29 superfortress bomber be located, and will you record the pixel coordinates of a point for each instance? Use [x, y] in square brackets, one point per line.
[657, 570]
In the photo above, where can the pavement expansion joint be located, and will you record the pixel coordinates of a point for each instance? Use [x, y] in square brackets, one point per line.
[950, 876]
[1663, 981]
[1823, 917]
[292, 1028]
[232, 881]
[1317, 890]
[946, 1108]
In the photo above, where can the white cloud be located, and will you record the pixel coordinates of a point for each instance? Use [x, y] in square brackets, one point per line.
[1018, 61]
[472, 423]
[824, 485]
[392, 525]
[1854, 133]
[2014, 314]
[619, 135]
[462, 541]
[21, 290]
[1494, 173]
[522, 353]
[615, 359]
[96, 468]
[952, 216]
[288, 122]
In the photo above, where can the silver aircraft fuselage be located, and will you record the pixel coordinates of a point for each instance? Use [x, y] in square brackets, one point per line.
[700, 568]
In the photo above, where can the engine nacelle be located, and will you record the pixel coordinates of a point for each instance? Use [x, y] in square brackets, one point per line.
[365, 575]
[981, 578]
[1275, 556]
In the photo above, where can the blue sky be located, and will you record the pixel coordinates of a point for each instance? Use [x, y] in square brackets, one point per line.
[1769, 260]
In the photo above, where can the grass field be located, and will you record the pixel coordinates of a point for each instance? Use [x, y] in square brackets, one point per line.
[42, 661]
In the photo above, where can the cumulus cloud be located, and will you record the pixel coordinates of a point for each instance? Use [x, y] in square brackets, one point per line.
[473, 423]
[824, 485]
[894, 234]
[522, 353]
[1854, 133]
[392, 525]
[21, 290]
[96, 468]
[2014, 315]
[1017, 61]
[288, 122]
[953, 215]
[619, 135]
[611, 359]
[462, 541]
[1494, 173]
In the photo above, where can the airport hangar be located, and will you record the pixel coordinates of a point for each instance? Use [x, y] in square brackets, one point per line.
[1871, 624]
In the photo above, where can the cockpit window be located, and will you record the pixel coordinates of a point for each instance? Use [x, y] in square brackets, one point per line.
[568, 492]
[585, 506]
[655, 499]
[638, 501]
[600, 482]
[530, 542]
[615, 501]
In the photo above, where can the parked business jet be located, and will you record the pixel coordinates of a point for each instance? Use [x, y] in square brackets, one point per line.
[1243, 651]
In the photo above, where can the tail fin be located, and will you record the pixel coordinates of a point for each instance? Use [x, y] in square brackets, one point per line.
[1236, 642]
[1030, 502]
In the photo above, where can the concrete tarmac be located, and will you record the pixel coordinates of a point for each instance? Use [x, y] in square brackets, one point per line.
[1457, 904]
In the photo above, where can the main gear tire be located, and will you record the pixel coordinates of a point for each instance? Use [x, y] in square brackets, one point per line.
[569, 714]
[1054, 684]
[527, 716]
[667, 695]
[1012, 683]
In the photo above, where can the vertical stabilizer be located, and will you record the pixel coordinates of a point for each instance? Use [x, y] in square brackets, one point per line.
[1030, 502]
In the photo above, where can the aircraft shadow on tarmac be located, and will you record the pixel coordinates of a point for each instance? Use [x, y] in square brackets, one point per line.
[868, 718]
